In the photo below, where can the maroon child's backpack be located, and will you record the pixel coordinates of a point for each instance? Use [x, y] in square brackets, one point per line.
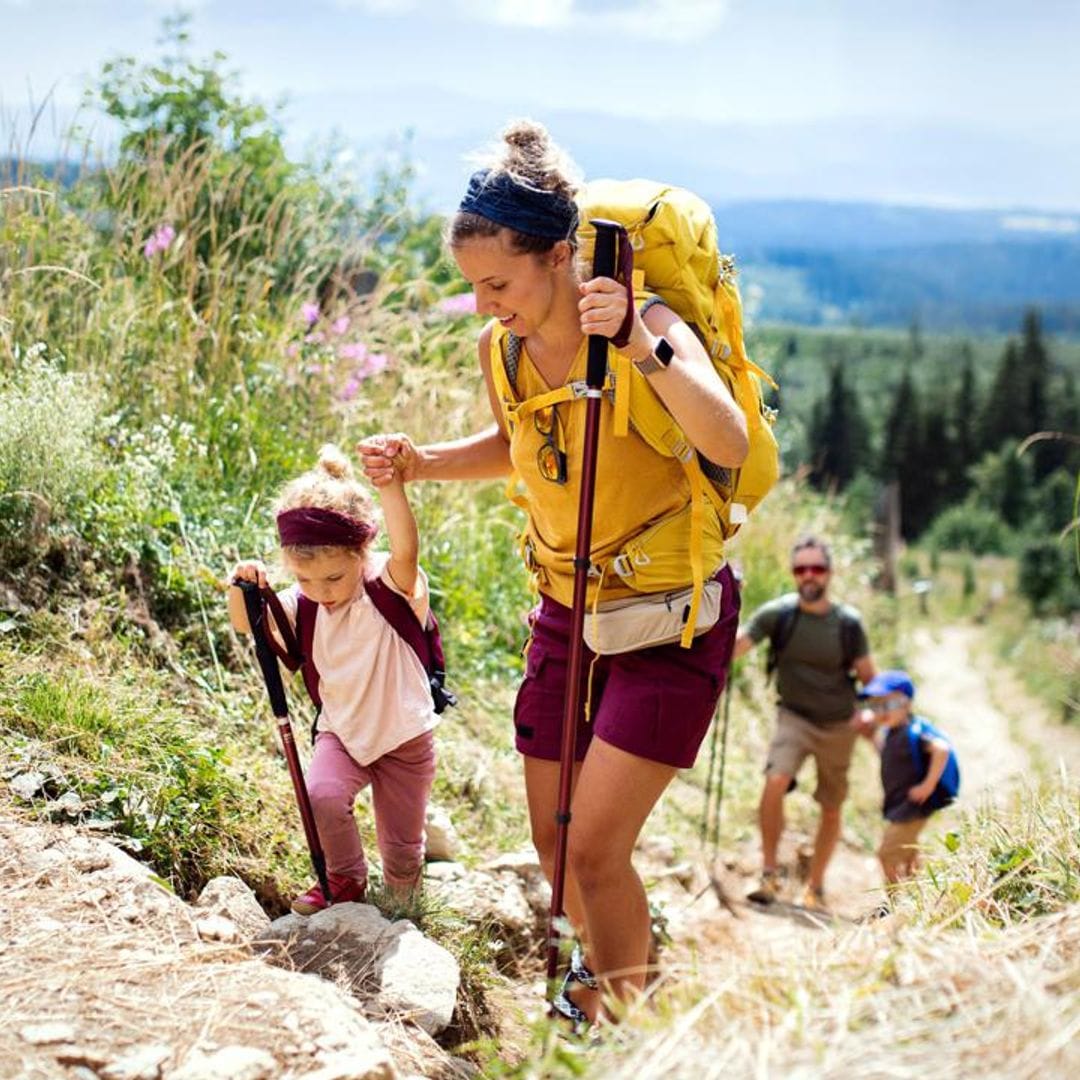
[423, 639]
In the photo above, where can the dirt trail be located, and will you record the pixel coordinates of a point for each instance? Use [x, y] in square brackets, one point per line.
[1003, 737]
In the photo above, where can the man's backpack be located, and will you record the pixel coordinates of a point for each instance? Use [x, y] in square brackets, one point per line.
[676, 257]
[423, 639]
[784, 629]
[948, 787]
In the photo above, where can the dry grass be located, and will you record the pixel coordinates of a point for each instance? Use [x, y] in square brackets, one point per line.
[887, 1000]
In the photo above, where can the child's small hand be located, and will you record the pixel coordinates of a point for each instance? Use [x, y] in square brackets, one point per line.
[388, 459]
[920, 792]
[252, 570]
[862, 720]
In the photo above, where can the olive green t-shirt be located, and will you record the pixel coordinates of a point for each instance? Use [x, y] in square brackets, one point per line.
[810, 679]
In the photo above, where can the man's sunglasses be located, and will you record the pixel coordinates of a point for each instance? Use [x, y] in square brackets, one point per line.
[809, 568]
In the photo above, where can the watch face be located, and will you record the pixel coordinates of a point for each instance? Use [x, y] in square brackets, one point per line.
[663, 351]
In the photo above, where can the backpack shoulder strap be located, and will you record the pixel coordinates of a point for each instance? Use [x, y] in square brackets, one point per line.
[306, 612]
[782, 632]
[849, 636]
[398, 612]
[424, 639]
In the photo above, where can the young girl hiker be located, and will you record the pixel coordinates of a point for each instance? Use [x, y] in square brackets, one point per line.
[513, 239]
[375, 724]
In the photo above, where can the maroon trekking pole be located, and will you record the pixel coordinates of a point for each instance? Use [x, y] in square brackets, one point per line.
[257, 613]
[607, 232]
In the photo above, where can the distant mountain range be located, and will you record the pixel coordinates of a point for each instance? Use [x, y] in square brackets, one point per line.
[821, 263]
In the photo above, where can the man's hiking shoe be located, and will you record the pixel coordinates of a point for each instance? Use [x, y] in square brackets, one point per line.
[768, 889]
[342, 889]
[814, 899]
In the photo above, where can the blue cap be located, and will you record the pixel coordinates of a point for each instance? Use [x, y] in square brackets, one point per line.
[889, 682]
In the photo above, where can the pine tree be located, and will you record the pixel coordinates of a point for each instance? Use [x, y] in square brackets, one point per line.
[902, 453]
[1035, 365]
[839, 434]
[964, 427]
[1004, 413]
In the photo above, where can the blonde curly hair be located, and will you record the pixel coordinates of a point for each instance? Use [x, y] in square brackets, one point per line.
[330, 485]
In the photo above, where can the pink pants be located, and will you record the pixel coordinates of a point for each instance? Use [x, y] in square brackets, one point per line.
[400, 783]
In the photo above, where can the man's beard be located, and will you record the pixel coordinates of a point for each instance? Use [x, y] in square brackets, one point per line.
[811, 591]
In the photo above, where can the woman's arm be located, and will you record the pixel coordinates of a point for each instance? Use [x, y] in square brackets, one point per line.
[689, 386]
[484, 455]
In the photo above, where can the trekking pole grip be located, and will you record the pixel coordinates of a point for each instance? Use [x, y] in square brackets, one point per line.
[607, 235]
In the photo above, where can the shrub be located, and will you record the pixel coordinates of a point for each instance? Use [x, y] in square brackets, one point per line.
[971, 528]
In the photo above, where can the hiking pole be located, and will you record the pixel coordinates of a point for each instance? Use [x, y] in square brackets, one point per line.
[607, 233]
[714, 837]
[271, 673]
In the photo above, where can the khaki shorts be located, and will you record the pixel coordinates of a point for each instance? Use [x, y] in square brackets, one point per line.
[899, 844]
[830, 745]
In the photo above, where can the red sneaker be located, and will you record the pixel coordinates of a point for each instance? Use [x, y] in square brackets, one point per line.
[342, 889]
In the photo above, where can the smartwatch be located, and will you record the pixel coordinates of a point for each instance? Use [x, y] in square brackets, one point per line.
[658, 359]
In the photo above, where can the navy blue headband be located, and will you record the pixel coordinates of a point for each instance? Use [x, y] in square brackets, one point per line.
[532, 211]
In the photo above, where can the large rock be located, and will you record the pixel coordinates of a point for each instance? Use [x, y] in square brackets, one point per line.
[497, 900]
[525, 866]
[229, 898]
[390, 966]
[126, 990]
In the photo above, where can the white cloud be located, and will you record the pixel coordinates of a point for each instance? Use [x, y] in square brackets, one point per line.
[663, 20]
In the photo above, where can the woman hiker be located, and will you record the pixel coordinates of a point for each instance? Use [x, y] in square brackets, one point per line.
[514, 240]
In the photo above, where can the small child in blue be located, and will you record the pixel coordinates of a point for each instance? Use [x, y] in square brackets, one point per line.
[919, 773]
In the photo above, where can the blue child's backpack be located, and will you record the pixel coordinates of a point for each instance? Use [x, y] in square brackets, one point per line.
[948, 787]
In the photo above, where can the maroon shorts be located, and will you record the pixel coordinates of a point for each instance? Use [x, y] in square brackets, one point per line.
[656, 703]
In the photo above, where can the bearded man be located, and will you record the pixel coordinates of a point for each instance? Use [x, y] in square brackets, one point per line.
[818, 650]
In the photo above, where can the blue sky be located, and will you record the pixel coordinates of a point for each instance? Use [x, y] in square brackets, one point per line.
[957, 102]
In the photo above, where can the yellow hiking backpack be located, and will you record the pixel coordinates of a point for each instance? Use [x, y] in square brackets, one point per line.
[676, 254]
[676, 257]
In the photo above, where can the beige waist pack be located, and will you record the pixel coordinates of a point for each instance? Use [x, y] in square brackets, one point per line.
[640, 622]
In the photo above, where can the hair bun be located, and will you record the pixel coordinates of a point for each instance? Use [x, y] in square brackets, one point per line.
[334, 463]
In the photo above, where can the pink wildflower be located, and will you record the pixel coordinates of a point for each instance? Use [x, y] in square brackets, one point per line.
[162, 237]
[309, 312]
[353, 350]
[340, 325]
[375, 363]
[292, 350]
[348, 391]
[458, 304]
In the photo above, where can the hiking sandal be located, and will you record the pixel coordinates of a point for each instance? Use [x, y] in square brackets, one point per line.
[579, 971]
[562, 1006]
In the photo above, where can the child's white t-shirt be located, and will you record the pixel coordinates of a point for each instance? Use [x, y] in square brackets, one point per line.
[373, 686]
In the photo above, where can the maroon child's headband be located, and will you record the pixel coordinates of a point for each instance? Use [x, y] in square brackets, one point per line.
[312, 526]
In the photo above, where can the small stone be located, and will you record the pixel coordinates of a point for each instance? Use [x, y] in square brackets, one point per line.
[26, 785]
[440, 837]
[141, 1064]
[52, 1032]
[444, 871]
[263, 999]
[217, 928]
[228, 1063]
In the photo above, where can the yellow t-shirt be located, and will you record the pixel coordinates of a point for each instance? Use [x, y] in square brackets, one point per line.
[634, 487]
